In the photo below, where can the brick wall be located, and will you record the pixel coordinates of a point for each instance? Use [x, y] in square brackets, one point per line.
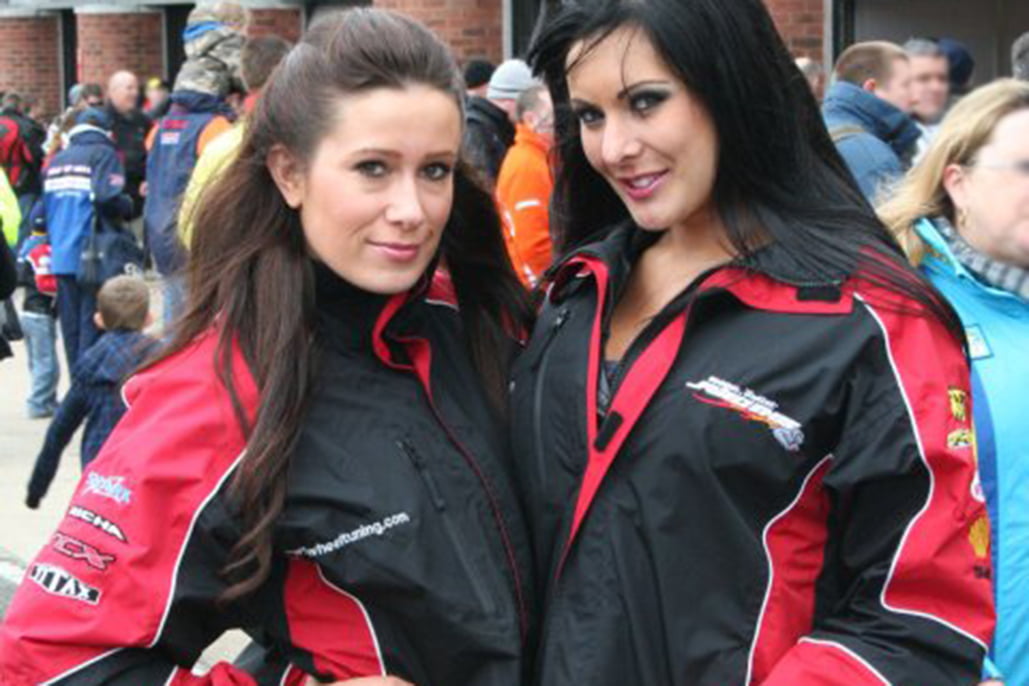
[802, 25]
[29, 61]
[473, 28]
[110, 42]
[285, 23]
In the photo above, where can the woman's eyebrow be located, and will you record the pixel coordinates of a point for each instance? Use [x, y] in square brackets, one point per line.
[624, 93]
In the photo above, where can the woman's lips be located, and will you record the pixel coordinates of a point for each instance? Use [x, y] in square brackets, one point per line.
[642, 186]
[398, 252]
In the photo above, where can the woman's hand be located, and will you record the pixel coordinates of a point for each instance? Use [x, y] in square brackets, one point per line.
[365, 681]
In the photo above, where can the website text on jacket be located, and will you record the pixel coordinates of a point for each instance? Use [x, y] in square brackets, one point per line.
[400, 548]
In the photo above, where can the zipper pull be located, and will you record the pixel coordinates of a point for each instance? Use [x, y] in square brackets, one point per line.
[419, 464]
[562, 316]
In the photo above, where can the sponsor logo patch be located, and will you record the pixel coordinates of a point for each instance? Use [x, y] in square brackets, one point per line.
[751, 406]
[60, 582]
[979, 538]
[961, 438]
[111, 487]
[79, 550]
[95, 520]
[958, 404]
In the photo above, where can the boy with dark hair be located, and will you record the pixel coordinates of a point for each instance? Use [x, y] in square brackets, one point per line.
[123, 310]
[39, 316]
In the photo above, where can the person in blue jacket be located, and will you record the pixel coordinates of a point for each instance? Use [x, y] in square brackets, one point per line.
[85, 183]
[865, 111]
[963, 214]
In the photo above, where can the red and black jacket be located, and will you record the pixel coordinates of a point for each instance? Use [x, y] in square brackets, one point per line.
[780, 490]
[401, 548]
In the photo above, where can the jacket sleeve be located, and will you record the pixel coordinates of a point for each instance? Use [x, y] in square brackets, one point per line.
[907, 563]
[125, 593]
[66, 421]
[525, 198]
[10, 212]
[8, 271]
[109, 186]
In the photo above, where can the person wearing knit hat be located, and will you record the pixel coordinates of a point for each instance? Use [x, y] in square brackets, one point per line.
[490, 120]
[962, 65]
[509, 81]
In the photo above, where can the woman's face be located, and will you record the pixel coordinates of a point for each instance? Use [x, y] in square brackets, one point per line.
[642, 130]
[377, 192]
[994, 192]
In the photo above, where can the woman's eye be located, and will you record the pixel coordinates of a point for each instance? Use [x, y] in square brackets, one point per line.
[437, 171]
[588, 116]
[371, 168]
[644, 102]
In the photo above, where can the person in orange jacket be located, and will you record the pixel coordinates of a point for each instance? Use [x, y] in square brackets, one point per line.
[524, 186]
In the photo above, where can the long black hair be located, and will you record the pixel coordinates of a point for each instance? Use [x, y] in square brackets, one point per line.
[779, 178]
[251, 276]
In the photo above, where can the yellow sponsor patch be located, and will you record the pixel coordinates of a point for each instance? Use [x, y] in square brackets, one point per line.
[958, 404]
[979, 537]
[962, 438]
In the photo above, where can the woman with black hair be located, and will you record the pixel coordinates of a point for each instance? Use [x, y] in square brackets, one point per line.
[741, 422]
[316, 456]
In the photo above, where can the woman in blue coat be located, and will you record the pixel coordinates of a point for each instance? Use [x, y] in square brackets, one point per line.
[963, 214]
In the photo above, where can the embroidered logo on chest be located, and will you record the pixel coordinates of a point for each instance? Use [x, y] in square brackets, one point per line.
[751, 406]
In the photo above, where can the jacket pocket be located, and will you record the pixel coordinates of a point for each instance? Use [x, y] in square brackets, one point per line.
[477, 577]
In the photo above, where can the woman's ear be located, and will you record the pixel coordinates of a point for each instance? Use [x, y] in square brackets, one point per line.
[955, 182]
[288, 175]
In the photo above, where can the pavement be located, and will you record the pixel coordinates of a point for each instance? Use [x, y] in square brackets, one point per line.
[24, 531]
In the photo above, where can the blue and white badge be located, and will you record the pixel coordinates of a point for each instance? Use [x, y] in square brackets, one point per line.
[978, 347]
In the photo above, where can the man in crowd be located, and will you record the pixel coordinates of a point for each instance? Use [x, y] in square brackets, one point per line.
[490, 120]
[197, 115]
[129, 128]
[525, 184]
[21, 150]
[477, 73]
[930, 88]
[1020, 57]
[961, 67]
[84, 185]
[814, 73]
[865, 111]
[259, 58]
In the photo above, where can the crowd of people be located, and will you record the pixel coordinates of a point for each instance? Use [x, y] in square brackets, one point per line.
[660, 356]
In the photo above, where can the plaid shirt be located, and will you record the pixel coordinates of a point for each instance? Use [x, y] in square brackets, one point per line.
[1006, 277]
[94, 396]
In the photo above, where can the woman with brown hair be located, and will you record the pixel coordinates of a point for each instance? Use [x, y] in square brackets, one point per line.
[314, 458]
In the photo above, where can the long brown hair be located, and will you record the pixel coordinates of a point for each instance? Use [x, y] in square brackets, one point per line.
[251, 277]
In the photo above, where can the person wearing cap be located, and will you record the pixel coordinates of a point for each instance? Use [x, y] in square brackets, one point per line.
[84, 183]
[490, 129]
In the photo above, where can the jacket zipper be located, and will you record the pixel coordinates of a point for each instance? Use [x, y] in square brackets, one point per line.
[505, 538]
[540, 366]
[456, 540]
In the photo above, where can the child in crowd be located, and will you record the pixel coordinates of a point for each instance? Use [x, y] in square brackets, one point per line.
[213, 40]
[123, 310]
[39, 316]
